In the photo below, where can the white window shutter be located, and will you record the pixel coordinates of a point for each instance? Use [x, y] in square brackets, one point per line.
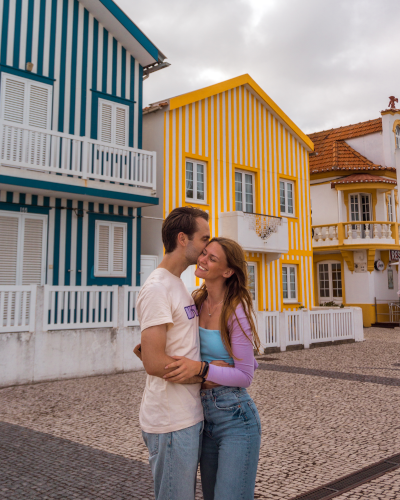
[39, 106]
[103, 248]
[121, 122]
[32, 258]
[118, 250]
[106, 112]
[8, 250]
[13, 100]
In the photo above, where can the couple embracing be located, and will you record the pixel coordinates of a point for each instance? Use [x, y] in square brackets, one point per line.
[198, 352]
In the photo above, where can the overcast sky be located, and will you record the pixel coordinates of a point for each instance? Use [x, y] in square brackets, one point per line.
[326, 63]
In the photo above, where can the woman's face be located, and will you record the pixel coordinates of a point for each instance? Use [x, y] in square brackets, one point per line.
[212, 263]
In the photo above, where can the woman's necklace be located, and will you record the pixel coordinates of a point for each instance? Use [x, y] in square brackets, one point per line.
[208, 306]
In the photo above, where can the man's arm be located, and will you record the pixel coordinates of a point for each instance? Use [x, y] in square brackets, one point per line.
[154, 359]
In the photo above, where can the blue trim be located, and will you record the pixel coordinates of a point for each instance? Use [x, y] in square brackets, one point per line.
[79, 246]
[91, 279]
[132, 87]
[17, 33]
[4, 31]
[74, 83]
[53, 37]
[129, 25]
[84, 191]
[123, 72]
[138, 244]
[29, 33]
[68, 232]
[85, 71]
[57, 231]
[63, 56]
[95, 110]
[140, 121]
[95, 52]
[114, 67]
[26, 74]
[42, 21]
[105, 61]
[132, 95]
[32, 209]
[22, 198]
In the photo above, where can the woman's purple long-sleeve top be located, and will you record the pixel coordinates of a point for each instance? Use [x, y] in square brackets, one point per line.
[245, 364]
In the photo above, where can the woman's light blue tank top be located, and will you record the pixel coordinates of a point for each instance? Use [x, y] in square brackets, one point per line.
[212, 347]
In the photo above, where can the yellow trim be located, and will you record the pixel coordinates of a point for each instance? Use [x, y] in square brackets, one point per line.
[258, 261]
[322, 258]
[385, 257]
[238, 166]
[348, 256]
[370, 259]
[368, 312]
[395, 123]
[343, 173]
[218, 88]
[296, 193]
[390, 111]
[364, 186]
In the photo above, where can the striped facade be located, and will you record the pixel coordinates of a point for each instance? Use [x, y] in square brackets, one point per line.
[237, 129]
[70, 49]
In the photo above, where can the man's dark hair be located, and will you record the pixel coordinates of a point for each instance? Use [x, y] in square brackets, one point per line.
[180, 220]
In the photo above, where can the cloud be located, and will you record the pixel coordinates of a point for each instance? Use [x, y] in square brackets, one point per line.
[326, 63]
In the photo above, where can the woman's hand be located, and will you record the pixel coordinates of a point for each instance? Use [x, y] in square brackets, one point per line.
[184, 369]
[137, 350]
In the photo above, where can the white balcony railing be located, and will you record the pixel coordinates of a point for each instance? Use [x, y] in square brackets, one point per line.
[354, 233]
[17, 308]
[50, 151]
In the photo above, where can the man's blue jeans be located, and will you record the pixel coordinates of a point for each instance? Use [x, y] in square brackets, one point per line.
[231, 444]
[174, 457]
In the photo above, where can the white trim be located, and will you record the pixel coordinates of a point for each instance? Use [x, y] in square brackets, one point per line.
[331, 298]
[255, 266]
[243, 173]
[114, 106]
[112, 226]
[292, 300]
[285, 212]
[195, 199]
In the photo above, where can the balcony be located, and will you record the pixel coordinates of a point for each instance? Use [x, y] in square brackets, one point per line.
[50, 152]
[344, 233]
[256, 232]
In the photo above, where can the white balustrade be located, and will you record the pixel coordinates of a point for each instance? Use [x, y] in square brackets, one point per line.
[71, 307]
[130, 298]
[268, 328]
[50, 151]
[325, 235]
[294, 330]
[17, 308]
[330, 325]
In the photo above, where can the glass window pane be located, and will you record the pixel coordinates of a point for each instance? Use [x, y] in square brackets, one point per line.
[249, 193]
[292, 283]
[200, 182]
[285, 283]
[189, 179]
[289, 192]
[282, 195]
[238, 192]
[252, 281]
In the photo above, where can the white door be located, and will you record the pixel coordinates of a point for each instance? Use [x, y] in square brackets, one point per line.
[252, 270]
[330, 282]
[147, 265]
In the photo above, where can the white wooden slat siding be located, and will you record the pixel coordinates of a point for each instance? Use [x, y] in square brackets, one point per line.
[120, 125]
[105, 125]
[32, 257]
[14, 100]
[8, 250]
[103, 247]
[118, 250]
[39, 107]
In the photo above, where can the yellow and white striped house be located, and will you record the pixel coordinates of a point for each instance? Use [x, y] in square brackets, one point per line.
[230, 150]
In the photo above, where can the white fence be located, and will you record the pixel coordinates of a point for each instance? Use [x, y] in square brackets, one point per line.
[304, 327]
[16, 311]
[130, 298]
[51, 151]
[70, 307]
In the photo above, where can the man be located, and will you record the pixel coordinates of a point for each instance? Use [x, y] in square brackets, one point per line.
[171, 415]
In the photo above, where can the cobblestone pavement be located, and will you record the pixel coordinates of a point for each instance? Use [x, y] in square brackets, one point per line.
[325, 413]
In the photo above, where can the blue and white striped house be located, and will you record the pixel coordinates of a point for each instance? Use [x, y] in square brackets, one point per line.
[73, 176]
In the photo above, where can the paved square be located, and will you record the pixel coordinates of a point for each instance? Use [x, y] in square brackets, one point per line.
[325, 413]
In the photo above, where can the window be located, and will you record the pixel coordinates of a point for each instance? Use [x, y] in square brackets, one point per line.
[389, 209]
[22, 248]
[113, 122]
[330, 282]
[360, 211]
[286, 189]
[110, 248]
[244, 192]
[397, 132]
[196, 181]
[289, 283]
[252, 271]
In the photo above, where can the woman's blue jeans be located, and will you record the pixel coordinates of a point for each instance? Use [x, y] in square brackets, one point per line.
[231, 444]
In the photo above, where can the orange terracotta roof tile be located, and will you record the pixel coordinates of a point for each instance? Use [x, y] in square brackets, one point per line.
[333, 153]
[363, 178]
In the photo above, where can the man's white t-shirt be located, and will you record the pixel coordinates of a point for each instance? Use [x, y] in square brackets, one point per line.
[168, 407]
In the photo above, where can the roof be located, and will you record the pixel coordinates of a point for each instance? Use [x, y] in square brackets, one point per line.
[333, 153]
[197, 95]
[363, 178]
[125, 31]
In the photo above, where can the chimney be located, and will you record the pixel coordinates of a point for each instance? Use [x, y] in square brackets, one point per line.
[390, 120]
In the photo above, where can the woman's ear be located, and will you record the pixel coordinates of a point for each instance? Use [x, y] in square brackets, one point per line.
[228, 273]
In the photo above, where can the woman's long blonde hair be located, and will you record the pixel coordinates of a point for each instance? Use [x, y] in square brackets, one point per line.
[237, 292]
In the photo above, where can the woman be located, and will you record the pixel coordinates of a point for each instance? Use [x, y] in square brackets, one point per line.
[232, 428]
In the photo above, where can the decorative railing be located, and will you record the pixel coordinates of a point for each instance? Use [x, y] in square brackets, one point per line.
[353, 233]
[331, 325]
[294, 327]
[268, 329]
[71, 307]
[50, 151]
[263, 225]
[17, 308]
[130, 298]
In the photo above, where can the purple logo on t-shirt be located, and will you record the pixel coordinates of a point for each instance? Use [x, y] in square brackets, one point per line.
[191, 311]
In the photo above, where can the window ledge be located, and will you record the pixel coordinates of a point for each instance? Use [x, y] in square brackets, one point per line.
[292, 302]
[288, 216]
[196, 202]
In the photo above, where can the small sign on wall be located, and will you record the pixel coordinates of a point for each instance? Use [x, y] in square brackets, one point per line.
[360, 267]
[394, 255]
[390, 279]
[379, 265]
